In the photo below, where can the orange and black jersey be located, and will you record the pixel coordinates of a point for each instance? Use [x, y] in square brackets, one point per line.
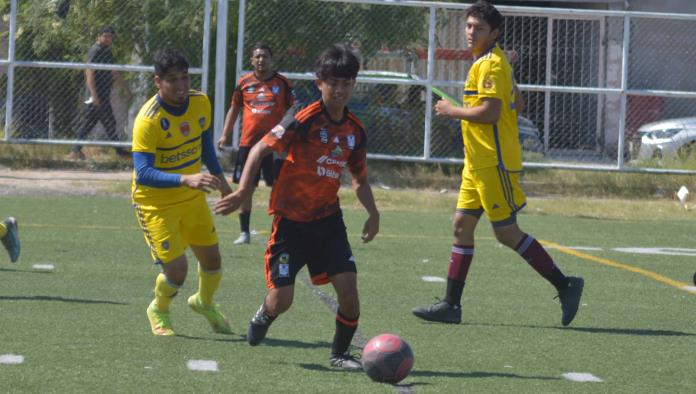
[317, 151]
[264, 103]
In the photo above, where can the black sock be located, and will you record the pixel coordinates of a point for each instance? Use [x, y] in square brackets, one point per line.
[244, 221]
[453, 295]
[345, 329]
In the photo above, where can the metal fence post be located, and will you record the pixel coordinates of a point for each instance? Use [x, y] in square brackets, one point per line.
[624, 86]
[10, 70]
[429, 87]
[220, 61]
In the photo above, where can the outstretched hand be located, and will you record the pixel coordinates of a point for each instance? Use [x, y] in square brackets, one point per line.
[204, 182]
[228, 203]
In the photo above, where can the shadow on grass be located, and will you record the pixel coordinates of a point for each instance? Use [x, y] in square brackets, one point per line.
[596, 330]
[60, 299]
[228, 338]
[24, 271]
[295, 344]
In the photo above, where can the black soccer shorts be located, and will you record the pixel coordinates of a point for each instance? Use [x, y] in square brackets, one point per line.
[322, 245]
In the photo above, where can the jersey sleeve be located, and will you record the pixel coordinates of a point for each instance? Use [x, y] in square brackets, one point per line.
[144, 136]
[357, 163]
[237, 96]
[489, 80]
[279, 138]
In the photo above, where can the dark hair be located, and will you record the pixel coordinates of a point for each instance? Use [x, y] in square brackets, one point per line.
[486, 11]
[170, 59]
[338, 61]
[106, 29]
[262, 46]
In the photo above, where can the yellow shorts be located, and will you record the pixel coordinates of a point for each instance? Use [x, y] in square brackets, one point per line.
[169, 231]
[493, 190]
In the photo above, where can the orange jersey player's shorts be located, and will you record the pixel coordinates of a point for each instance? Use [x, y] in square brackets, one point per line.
[494, 190]
[320, 244]
[170, 230]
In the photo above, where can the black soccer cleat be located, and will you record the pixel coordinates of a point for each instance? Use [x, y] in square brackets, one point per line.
[570, 299]
[345, 361]
[258, 327]
[440, 312]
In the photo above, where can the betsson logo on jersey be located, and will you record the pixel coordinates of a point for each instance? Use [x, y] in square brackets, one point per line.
[179, 155]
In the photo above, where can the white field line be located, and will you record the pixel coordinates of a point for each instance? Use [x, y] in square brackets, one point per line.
[202, 365]
[581, 377]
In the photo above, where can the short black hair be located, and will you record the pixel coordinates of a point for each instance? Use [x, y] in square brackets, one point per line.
[106, 29]
[262, 46]
[170, 59]
[486, 11]
[337, 61]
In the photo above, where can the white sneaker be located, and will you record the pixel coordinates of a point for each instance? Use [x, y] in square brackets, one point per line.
[244, 238]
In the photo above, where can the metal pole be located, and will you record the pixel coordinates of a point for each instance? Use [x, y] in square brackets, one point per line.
[10, 69]
[624, 86]
[206, 47]
[429, 86]
[220, 61]
[547, 94]
[241, 29]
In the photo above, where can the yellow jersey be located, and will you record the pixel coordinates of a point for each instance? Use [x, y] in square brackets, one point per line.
[497, 144]
[173, 135]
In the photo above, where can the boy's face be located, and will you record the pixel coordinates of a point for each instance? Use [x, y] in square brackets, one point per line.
[335, 92]
[105, 39]
[261, 60]
[479, 35]
[174, 86]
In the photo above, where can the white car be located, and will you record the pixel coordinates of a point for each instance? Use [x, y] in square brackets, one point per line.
[666, 138]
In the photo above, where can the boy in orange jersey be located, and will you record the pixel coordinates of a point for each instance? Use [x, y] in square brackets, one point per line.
[308, 227]
[264, 96]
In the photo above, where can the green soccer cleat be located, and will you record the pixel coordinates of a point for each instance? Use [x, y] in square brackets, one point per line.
[159, 321]
[11, 240]
[217, 320]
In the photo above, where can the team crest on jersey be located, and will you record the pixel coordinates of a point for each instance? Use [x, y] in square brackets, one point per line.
[324, 136]
[351, 141]
[185, 128]
[488, 84]
[165, 245]
[337, 152]
[201, 121]
[164, 123]
[275, 89]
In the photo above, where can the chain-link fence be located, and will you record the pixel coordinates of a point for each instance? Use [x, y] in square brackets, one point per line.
[47, 46]
[590, 90]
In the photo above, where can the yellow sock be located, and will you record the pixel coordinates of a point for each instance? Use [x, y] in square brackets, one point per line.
[164, 293]
[208, 283]
[3, 230]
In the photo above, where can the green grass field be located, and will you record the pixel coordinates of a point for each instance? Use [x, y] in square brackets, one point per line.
[82, 327]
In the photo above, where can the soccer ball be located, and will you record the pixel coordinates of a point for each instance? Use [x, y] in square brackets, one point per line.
[387, 358]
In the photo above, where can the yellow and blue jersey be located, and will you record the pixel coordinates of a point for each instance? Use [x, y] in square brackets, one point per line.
[497, 144]
[173, 136]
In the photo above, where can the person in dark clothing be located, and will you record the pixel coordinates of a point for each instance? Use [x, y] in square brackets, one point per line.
[99, 83]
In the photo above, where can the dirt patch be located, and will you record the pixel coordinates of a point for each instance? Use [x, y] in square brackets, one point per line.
[61, 182]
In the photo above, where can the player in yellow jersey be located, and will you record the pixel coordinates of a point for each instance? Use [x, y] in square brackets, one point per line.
[492, 167]
[171, 138]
